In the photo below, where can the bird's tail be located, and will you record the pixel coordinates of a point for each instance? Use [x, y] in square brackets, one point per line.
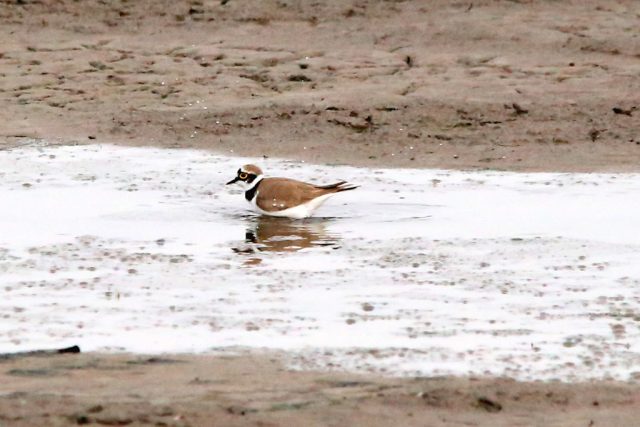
[338, 186]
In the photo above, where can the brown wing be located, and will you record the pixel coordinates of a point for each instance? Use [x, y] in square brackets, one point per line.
[277, 194]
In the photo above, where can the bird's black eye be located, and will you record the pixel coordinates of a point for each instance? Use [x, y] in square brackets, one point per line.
[243, 175]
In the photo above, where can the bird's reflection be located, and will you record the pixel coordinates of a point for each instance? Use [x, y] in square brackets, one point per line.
[272, 234]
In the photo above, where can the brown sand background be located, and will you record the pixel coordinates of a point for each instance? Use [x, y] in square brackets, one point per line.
[512, 85]
[256, 390]
[371, 83]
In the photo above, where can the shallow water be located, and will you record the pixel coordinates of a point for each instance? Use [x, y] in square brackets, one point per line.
[418, 272]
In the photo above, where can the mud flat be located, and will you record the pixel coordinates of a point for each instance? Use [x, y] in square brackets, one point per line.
[256, 389]
[513, 85]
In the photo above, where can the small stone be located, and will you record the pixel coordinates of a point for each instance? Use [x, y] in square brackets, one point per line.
[367, 307]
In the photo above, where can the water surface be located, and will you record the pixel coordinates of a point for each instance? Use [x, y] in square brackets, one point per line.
[418, 272]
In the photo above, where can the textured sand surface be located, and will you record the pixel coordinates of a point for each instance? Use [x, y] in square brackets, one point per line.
[516, 85]
[255, 390]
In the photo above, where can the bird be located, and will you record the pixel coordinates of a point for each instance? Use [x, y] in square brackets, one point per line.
[284, 197]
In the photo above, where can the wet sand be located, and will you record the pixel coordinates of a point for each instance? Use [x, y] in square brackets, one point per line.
[486, 84]
[257, 390]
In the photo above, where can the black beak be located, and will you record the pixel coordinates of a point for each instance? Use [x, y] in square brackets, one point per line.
[234, 180]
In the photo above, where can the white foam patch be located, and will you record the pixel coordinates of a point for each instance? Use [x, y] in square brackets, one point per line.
[418, 272]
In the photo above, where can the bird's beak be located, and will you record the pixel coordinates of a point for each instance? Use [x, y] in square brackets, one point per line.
[234, 180]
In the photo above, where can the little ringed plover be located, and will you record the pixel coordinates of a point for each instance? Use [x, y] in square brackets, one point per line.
[284, 197]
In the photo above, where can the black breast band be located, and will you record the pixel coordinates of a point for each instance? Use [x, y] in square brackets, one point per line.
[251, 193]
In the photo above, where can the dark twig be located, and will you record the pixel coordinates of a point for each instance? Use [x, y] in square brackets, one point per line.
[67, 350]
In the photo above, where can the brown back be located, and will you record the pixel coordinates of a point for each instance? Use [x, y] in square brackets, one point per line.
[277, 194]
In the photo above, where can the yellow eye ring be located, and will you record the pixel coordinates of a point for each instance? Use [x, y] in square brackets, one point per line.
[243, 175]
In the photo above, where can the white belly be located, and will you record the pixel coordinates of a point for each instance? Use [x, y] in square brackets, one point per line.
[297, 212]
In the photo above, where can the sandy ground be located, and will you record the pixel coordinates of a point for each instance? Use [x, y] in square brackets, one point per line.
[256, 390]
[517, 85]
[514, 85]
